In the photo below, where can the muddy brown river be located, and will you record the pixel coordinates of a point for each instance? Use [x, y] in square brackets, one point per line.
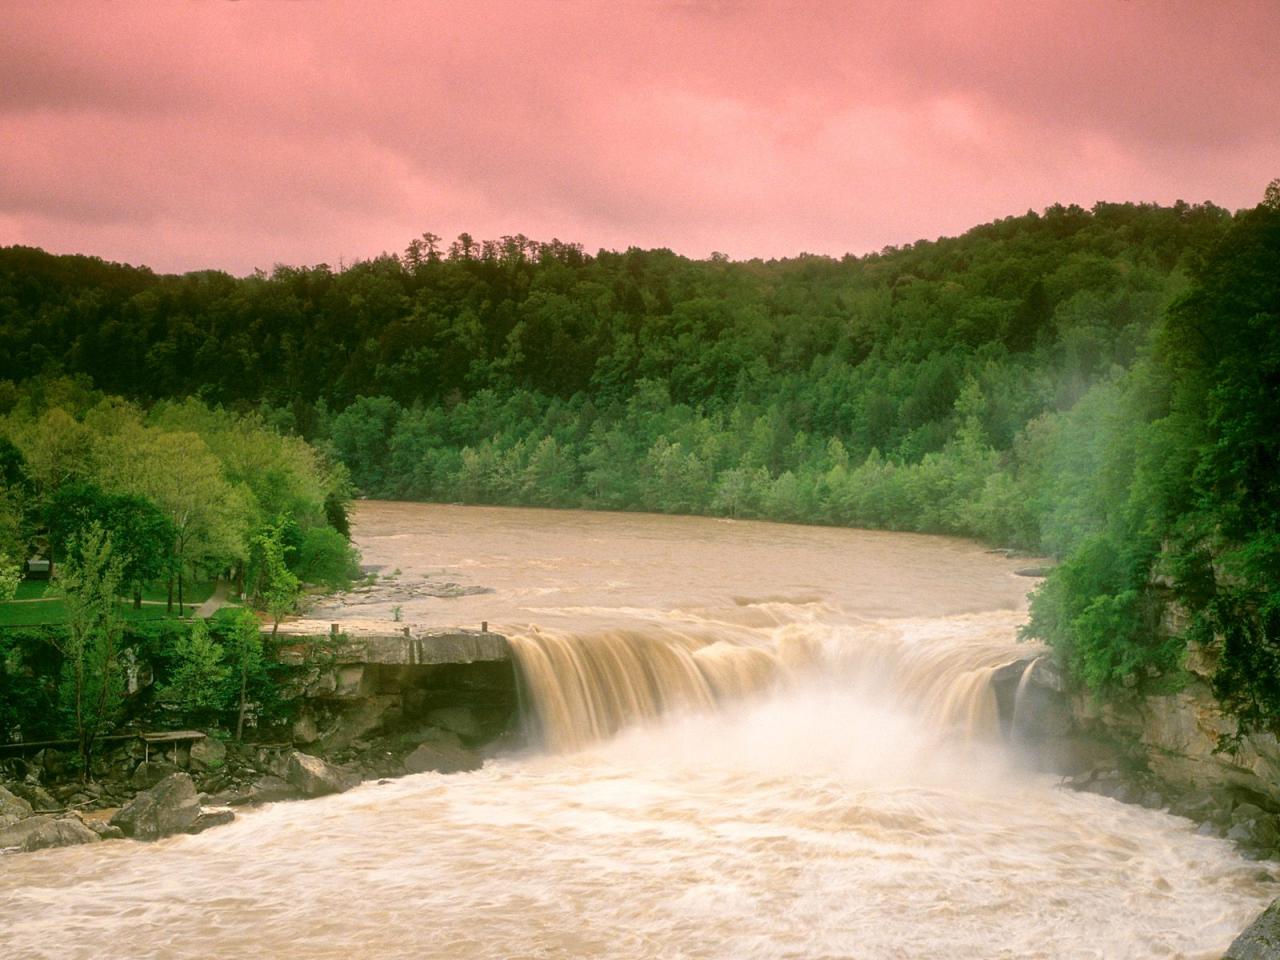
[757, 741]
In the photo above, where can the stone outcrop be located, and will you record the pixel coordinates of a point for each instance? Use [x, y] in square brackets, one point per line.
[170, 807]
[147, 774]
[39, 798]
[441, 758]
[270, 789]
[43, 831]
[214, 817]
[207, 754]
[1260, 940]
[12, 808]
[314, 777]
[1187, 740]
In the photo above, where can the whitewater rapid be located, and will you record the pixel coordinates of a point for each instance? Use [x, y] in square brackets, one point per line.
[757, 742]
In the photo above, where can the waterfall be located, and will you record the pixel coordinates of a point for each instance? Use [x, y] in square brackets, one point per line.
[582, 688]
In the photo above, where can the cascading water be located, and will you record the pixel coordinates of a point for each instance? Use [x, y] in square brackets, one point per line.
[581, 688]
[762, 742]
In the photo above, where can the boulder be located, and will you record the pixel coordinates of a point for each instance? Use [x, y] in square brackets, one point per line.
[441, 758]
[360, 718]
[315, 778]
[208, 754]
[171, 806]
[305, 729]
[1253, 829]
[458, 720]
[432, 735]
[40, 832]
[149, 773]
[1198, 805]
[269, 789]
[13, 806]
[1035, 572]
[211, 818]
[36, 795]
[105, 830]
[1260, 940]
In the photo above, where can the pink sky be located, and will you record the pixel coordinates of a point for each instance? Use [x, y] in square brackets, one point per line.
[239, 135]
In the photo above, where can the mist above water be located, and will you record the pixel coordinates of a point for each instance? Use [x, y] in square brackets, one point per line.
[758, 741]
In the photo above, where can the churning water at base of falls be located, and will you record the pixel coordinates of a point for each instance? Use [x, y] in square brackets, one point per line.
[761, 741]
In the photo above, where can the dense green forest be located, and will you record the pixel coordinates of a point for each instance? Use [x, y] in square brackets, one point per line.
[1100, 385]
[134, 508]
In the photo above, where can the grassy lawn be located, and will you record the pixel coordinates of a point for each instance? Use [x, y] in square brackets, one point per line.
[193, 591]
[32, 589]
[49, 609]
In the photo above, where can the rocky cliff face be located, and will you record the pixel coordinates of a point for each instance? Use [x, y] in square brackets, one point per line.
[1179, 751]
[1187, 740]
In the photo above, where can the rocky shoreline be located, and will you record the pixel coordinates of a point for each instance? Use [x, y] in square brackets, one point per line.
[146, 793]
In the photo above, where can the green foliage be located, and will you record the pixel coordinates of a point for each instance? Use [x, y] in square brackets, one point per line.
[1097, 610]
[90, 686]
[326, 559]
[10, 577]
[196, 683]
[29, 662]
[140, 532]
[276, 588]
[246, 660]
[1100, 384]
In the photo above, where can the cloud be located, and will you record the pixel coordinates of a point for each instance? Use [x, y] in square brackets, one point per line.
[239, 135]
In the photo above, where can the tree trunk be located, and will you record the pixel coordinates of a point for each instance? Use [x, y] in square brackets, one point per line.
[244, 684]
[169, 606]
[137, 598]
[80, 721]
[181, 612]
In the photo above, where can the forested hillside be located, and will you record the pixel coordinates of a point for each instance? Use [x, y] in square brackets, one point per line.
[1097, 384]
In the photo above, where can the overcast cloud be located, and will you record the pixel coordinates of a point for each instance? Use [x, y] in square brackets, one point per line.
[238, 135]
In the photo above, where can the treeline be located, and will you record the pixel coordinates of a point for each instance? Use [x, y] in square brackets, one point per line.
[440, 325]
[1072, 381]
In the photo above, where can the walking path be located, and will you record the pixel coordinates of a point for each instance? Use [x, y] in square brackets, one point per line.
[221, 598]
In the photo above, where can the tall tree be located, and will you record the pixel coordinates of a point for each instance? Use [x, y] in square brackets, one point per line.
[90, 690]
[245, 658]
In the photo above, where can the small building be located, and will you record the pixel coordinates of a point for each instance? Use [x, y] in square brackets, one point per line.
[38, 569]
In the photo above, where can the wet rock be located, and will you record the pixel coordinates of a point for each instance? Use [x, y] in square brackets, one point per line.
[456, 720]
[269, 789]
[44, 831]
[148, 774]
[208, 754]
[1032, 572]
[171, 806]
[305, 729]
[359, 719]
[1198, 805]
[1253, 829]
[211, 783]
[105, 830]
[441, 758]
[13, 806]
[314, 777]
[211, 818]
[433, 735]
[1260, 940]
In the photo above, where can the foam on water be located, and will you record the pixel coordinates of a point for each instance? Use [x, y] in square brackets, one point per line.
[813, 773]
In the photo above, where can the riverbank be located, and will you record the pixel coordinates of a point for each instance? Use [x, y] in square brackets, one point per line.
[45, 803]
